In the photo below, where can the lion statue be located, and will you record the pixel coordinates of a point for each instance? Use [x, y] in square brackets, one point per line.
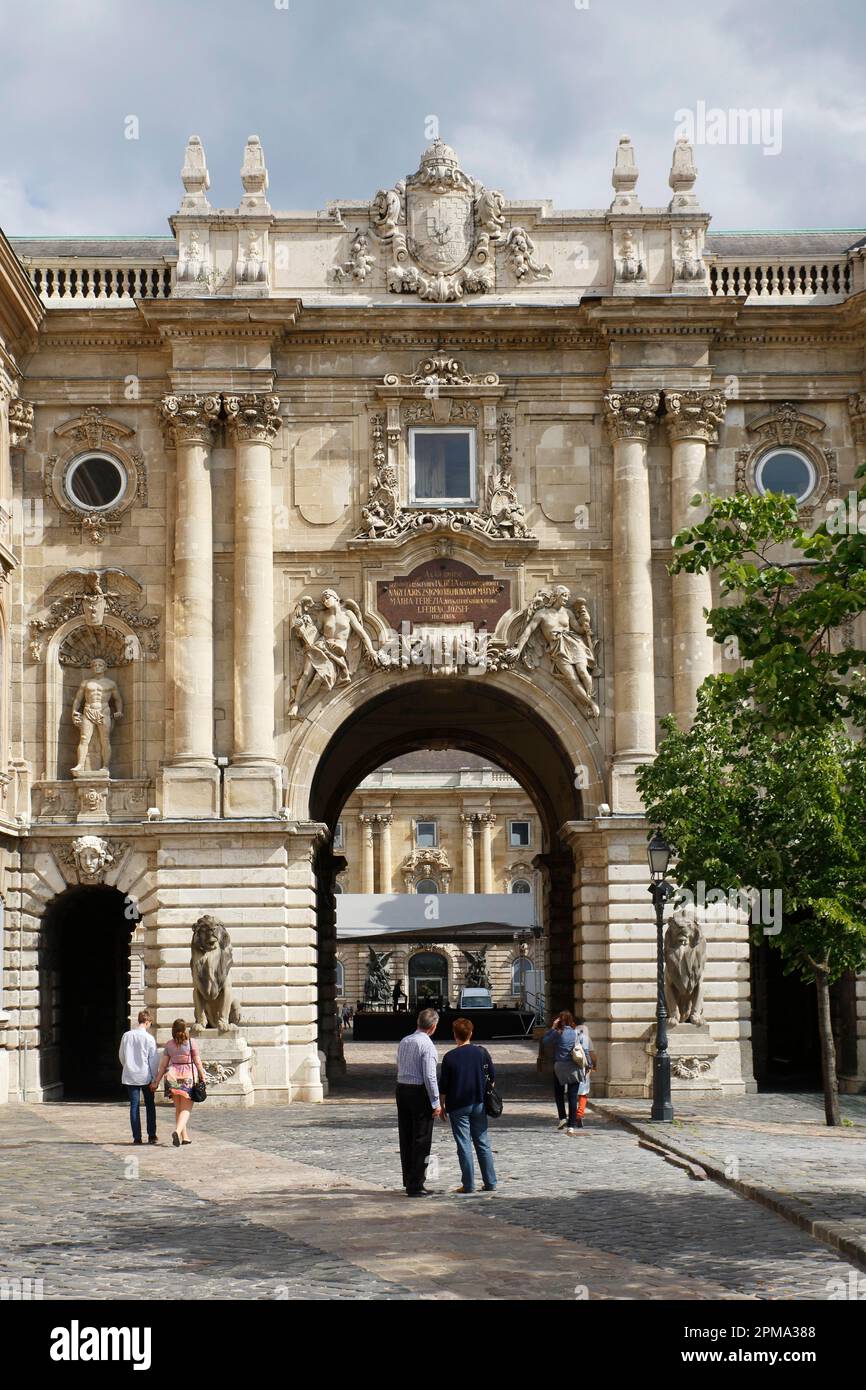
[685, 958]
[211, 964]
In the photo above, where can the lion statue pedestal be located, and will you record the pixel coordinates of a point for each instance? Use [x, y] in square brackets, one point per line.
[225, 1055]
[693, 1050]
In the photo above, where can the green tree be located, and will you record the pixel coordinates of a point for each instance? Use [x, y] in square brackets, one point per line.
[747, 810]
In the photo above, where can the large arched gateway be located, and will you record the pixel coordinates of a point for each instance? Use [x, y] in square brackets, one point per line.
[306, 495]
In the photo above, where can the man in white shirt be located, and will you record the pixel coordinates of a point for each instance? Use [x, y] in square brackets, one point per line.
[417, 1101]
[138, 1057]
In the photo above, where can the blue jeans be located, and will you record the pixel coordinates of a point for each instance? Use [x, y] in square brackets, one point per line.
[135, 1110]
[469, 1127]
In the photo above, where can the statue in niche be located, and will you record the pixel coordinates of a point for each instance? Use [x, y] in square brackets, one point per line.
[92, 713]
[629, 265]
[325, 642]
[555, 627]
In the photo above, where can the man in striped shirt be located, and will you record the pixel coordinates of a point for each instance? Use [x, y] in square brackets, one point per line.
[417, 1101]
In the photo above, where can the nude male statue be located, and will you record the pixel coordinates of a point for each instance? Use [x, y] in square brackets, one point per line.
[92, 712]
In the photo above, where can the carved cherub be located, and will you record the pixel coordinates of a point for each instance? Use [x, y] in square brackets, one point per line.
[555, 627]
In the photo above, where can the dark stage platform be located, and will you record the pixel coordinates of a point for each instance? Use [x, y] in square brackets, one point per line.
[489, 1023]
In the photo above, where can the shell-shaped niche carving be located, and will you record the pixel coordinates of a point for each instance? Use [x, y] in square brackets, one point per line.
[85, 644]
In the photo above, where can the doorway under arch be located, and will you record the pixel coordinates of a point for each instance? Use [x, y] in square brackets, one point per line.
[428, 978]
[498, 724]
[84, 991]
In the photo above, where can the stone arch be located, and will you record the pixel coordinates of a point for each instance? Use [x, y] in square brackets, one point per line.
[528, 726]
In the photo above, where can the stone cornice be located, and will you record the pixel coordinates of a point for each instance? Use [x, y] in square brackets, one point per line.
[694, 414]
[186, 319]
[630, 414]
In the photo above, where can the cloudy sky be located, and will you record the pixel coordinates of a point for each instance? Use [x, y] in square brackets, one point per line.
[534, 95]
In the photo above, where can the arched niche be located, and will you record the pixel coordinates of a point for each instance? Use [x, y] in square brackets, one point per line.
[117, 643]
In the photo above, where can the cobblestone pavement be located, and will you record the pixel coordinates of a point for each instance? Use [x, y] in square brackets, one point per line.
[779, 1147]
[301, 1202]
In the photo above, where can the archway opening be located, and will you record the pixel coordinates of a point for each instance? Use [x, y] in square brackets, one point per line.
[485, 728]
[85, 981]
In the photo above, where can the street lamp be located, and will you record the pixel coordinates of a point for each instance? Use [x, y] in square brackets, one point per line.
[659, 856]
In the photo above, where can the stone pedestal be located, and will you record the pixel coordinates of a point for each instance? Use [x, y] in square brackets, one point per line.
[92, 792]
[189, 792]
[252, 791]
[694, 1061]
[226, 1058]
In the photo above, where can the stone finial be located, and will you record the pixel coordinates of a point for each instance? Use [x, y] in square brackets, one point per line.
[254, 177]
[624, 178]
[682, 177]
[196, 179]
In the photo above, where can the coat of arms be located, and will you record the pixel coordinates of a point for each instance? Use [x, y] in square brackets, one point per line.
[443, 227]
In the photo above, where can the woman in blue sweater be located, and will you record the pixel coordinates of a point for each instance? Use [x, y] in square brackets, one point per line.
[563, 1035]
[465, 1072]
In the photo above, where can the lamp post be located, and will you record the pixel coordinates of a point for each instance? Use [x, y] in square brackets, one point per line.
[659, 855]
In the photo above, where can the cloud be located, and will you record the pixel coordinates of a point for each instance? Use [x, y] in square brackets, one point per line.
[533, 97]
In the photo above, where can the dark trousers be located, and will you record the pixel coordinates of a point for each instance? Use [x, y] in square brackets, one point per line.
[415, 1125]
[559, 1091]
[135, 1110]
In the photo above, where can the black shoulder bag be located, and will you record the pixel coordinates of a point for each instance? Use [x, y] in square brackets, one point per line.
[492, 1098]
[198, 1090]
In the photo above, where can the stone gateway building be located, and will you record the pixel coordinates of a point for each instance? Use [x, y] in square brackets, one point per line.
[286, 495]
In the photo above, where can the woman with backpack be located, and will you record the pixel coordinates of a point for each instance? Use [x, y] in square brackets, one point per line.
[180, 1064]
[573, 1060]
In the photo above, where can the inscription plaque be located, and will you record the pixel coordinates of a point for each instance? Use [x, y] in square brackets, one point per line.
[446, 592]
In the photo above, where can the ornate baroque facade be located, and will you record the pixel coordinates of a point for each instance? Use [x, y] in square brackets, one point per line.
[286, 494]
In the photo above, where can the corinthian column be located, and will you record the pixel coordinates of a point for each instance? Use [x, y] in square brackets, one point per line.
[692, 418]
[188, 420]
[385, 868]
[368, 866]
[253, 786]
[488, 820]
[468, 853]
[630, 417]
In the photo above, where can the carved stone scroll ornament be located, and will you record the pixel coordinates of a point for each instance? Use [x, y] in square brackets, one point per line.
[442, 228]
[91, 594]
[685, 959]
[328, 640]
[555, 631]
[426, 863]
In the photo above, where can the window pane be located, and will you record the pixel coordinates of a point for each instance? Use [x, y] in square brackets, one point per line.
[442, 465]
[519, 833]
[427, 885]
[520, 886]
[425, 834]
[95, 482]
[786, 473]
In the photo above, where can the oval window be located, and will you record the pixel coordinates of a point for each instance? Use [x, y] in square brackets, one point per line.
[782, 470]
[95, 482]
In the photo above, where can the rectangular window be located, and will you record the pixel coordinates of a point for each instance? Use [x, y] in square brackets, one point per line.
[338, 836]
[441, 467]
[425, 834]
[519, 834]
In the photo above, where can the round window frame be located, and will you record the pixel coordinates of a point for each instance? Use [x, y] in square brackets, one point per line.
[764, 458]
[86, 508]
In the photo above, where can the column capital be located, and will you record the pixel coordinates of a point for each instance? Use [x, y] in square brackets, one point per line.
[20, 422]
[694, 414]
[383, 818]
[630, 414]
[189, 418]
[253, 416]
[487, 817]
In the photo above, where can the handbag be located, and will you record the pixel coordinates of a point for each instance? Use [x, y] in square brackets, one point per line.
[198, 1090]
[492, 1099]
